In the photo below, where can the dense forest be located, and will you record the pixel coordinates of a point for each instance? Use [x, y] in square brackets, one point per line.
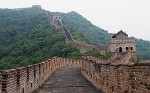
[27, 37]
[97, 36]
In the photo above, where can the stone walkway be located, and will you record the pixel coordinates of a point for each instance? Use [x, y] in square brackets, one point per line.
[67, 80]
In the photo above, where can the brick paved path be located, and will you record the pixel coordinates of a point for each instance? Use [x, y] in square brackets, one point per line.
[67, 80]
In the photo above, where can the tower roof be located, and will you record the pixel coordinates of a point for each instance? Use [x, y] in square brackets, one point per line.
[120, 32]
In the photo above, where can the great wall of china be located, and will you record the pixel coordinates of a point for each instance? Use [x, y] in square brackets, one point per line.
[27, 79]
[106, 76]
[57, 22]
[116, 75]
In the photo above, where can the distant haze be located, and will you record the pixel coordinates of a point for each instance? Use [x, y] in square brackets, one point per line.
[132, 16]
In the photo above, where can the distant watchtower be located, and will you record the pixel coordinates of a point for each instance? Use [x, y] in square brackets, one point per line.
[37, 6]
[56, 19]
[120, 42]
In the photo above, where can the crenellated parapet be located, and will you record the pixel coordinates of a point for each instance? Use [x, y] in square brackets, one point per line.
[128, 40]
[109, 76]
[117, 78]
[126, 58]
[87, 47]
[28, 79]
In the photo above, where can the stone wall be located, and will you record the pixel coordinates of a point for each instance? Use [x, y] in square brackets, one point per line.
[57, 22]
[86, 47]
[108, 76]
[28, 79]
[117, 78]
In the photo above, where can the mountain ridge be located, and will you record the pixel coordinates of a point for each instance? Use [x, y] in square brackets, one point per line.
[77, 23]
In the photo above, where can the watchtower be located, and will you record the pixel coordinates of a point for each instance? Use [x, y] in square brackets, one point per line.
[56, 18]
[120, 42]
[37, 6]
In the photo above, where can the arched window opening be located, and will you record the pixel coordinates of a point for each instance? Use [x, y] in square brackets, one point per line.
[22, 90]
[126, 91]
[120, 49]
[112, 88]
[127, 48]
[131, 48]
[31, 85]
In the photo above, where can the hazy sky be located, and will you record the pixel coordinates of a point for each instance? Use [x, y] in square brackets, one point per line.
[132, 16]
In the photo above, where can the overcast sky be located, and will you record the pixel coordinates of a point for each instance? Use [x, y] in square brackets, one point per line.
[132, 16]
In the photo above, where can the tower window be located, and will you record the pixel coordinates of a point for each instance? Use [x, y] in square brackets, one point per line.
[126, 91]
[120, 49]
[22, 90]
[127, 48]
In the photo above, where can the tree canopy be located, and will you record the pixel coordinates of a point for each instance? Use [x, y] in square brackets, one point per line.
[27, 37]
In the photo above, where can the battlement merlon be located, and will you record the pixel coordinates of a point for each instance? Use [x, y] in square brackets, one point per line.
[127, 40]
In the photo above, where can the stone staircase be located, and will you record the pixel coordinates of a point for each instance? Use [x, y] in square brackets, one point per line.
[67, 33]
[59, 25]
[81, 45]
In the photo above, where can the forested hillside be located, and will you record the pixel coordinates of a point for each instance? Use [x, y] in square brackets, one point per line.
[95, 35]
[81, 26]
[27, 37]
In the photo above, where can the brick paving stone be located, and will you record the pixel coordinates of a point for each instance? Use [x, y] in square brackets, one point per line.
[67, 80]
